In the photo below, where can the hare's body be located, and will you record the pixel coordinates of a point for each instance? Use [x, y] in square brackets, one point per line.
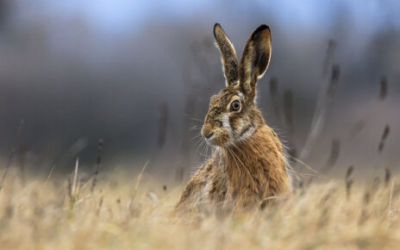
[231, 177]
[248, 163]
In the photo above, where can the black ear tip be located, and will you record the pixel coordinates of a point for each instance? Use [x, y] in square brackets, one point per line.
[260, 29]
[216, 25]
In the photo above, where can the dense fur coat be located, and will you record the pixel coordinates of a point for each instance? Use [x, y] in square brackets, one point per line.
[248, 163]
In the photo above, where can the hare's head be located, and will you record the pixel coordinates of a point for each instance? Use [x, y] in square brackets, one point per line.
[233, 115]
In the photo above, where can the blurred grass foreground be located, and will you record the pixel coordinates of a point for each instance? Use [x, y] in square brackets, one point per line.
[118, 213]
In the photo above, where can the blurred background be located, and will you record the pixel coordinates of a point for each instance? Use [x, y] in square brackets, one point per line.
[139, 75]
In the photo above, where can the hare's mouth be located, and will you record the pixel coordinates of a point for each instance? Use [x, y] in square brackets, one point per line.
[216, 139]
[211, 139]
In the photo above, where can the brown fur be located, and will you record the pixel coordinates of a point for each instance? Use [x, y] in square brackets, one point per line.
[248, 164]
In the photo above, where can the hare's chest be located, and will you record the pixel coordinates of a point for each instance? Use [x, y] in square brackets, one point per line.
[216, 188]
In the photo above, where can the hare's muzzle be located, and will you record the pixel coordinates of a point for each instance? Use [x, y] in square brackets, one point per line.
[207, 131]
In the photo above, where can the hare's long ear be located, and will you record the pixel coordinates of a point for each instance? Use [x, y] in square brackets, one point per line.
[228, 55]
[255, 60]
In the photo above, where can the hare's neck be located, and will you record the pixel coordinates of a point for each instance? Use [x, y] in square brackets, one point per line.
[256, 164]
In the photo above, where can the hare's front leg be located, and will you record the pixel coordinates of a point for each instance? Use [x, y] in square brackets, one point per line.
[196, 196]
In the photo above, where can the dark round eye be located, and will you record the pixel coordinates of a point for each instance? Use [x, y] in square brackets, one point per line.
[235, 105]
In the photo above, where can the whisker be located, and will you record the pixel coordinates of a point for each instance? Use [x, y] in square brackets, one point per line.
[194, 128]
[195, 119]
[240, 150]
[196, 137]
[247, 170]
[237, 166]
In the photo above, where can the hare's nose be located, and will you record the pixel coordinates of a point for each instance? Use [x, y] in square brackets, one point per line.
[207, 132]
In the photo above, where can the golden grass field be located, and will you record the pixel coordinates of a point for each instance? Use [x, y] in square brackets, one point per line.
[127, 212]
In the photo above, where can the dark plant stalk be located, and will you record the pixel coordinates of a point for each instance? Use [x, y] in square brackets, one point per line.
[334, 155]
[388, 175]
[384, 136]
[383, 88]
[98, 165]
[349, 181]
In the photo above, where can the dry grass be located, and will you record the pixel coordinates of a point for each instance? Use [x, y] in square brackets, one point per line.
[118, 215]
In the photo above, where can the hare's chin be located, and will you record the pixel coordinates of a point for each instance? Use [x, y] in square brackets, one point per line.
[211, 141]
[215, 141]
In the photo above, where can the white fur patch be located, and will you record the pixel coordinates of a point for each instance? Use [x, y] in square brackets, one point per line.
[248, 134]
[240, 128]
[226, 125]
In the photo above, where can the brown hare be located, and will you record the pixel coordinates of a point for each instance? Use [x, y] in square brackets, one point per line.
[248, 163]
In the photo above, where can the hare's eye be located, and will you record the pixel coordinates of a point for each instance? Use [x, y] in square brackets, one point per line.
[235, 106]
